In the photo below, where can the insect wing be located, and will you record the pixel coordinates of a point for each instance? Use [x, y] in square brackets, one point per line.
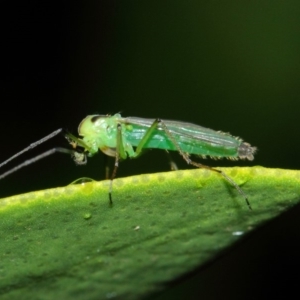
[183, 132]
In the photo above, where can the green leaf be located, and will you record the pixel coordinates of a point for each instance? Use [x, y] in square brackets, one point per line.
[69, 243]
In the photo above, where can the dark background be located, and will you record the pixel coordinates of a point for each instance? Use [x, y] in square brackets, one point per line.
[227, 65]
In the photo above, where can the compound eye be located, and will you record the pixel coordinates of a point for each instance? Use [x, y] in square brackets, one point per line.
[94, 119]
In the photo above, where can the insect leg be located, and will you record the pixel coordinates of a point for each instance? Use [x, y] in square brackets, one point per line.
[234, 184]
[120, 154]
[172, 164]
[146, 137]
[106, 164]
[190, 162]
[75, 141]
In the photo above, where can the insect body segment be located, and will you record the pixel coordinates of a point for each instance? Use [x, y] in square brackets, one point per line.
[99, 132]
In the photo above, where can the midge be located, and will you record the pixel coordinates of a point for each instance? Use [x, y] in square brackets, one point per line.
[127, 137]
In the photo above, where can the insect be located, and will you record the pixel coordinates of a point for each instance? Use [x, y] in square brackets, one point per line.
[124, 138]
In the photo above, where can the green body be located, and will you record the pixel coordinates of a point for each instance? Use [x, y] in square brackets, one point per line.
[101, 132]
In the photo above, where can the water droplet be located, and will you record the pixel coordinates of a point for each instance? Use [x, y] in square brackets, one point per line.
[82, 180]
[87, 216]
[238, 233]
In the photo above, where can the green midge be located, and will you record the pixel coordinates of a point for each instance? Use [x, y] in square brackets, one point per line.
[127, 137]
